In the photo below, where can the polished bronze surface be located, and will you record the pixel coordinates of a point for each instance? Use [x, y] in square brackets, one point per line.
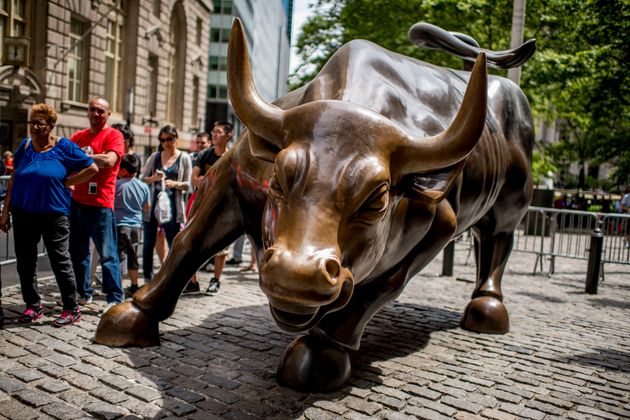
[348, 187]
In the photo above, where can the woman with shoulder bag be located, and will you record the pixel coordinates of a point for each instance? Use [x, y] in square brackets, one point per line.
[168, 172]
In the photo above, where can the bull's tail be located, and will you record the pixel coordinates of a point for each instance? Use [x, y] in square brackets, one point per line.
[463, 46]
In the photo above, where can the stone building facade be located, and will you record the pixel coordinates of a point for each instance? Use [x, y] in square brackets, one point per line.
[149, 58]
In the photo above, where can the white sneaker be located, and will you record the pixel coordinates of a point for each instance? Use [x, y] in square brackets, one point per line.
[85, 300]
[109, 306]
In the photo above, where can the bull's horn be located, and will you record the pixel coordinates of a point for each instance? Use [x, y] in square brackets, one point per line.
[458, 140]
[260, 117]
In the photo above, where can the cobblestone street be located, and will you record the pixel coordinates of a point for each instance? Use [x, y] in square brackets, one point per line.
[567, 355]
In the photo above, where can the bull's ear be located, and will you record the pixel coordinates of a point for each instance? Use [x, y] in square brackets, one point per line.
[433, 187]
[261, 148]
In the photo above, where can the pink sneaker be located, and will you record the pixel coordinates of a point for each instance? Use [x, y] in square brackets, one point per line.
[67, 318]
[30, 314]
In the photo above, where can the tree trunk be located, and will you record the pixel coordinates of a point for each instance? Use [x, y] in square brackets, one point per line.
[518, 25]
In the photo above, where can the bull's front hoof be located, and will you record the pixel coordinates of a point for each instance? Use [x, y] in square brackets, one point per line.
[126, 325]
[314, 364]
[486, 314]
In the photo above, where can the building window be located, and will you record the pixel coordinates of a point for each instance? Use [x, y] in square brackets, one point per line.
[217, 92]
[195, 102]
[198, 30]
[223, 94]
[219, 35]
[18, 17]
[222, 7]
[157, 5]
[77, 61]
[153, 84]
[113, 63]
[13, 19]
[218, 63]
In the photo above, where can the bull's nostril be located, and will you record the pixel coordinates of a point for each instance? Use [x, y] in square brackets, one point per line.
[268, 254]
[332, 268]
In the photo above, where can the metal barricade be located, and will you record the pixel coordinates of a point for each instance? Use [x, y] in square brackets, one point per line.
[558, 233]
[534, 235]
[616, 229]
[571, 234]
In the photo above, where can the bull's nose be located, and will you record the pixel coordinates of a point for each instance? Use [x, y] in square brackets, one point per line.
[332, 267]
[307, 280]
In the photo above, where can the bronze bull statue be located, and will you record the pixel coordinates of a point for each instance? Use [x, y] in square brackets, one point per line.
[348, 187]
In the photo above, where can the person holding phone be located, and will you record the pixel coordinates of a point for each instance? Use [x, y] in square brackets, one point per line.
[174, 167]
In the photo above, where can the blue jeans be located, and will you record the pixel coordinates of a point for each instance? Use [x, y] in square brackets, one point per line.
[237, 248]
[171, 229]
[97, 223]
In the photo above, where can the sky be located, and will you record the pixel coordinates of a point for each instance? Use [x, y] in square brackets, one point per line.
[301, 12]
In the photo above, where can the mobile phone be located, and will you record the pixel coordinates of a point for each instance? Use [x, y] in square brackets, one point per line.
[92, 188]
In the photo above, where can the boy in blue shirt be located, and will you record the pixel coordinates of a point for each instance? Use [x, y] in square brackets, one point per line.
[131, 199]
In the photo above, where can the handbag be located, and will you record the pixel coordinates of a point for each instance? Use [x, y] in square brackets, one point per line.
[162, 209]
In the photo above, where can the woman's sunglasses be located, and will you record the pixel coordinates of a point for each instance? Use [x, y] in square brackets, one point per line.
[167, 139]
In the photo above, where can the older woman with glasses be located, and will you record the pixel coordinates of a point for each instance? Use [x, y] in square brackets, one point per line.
[174, 167]
[46, 168]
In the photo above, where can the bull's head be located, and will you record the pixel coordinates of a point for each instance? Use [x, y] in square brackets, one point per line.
[337, 169]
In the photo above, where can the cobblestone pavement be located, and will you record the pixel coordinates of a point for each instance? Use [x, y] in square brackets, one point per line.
[567, 355]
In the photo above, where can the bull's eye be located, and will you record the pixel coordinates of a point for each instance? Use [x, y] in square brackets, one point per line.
[376, 203]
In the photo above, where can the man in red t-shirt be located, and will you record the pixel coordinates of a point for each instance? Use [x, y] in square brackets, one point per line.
[92, 213]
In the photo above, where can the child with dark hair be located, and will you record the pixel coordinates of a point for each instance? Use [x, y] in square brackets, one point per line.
[129, 142]
[132, 198]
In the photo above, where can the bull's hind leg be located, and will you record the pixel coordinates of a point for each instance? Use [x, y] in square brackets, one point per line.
[216, 222]
[486, 312]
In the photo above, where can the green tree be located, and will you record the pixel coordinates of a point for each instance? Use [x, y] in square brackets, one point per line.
[577, 76]
[319, 38]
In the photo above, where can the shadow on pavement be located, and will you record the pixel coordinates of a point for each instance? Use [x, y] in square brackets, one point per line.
[225, 365]
[607, 302]
[610, 359]
[541, 297]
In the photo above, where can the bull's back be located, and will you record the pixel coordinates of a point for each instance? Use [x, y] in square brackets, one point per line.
[424, 99]
[420, 97]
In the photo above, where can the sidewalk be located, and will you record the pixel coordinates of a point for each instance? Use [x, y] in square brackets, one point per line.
[567, 355]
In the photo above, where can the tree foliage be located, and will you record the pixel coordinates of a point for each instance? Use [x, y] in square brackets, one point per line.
[578, 75]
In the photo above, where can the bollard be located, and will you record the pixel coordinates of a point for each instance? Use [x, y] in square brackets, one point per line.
[448, 259]
[593, 271]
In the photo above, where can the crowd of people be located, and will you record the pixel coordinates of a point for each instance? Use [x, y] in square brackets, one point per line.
[88, 193]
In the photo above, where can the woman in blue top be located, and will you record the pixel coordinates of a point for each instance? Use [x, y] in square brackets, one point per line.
[38, 197]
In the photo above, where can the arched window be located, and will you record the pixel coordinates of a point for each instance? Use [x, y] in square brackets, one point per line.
[114, 90]
[177, 66]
